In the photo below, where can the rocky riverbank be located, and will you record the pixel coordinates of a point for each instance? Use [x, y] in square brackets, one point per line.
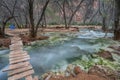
[106, 67]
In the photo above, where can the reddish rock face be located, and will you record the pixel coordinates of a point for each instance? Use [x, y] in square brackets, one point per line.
[106, 55]
[115, 48]
[77, 70]
[5, 42]
[80, 75]
[27, 39]
[104, 72]
[95, 70]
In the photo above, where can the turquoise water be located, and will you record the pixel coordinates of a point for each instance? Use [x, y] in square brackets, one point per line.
[3, 63]
[45, 58]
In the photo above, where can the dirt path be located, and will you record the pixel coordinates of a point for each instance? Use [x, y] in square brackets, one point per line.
[55, 28]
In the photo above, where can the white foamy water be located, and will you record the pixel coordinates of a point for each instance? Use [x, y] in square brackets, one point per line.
[93, 34]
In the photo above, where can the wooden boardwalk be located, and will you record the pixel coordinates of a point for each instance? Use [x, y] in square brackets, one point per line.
[19, 65]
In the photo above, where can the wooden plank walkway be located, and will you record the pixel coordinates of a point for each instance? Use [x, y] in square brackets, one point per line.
[20, 66]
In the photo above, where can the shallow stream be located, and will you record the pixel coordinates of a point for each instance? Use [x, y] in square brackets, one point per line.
[45, 58]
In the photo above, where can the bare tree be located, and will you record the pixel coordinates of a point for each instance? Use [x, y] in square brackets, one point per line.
[104, 11]
[7, 14]
[63, 9]
[34, 27]
[74, 12]
[103, 14]
[66, 5]
[88, 10]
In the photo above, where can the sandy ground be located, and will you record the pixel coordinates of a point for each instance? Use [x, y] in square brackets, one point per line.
[55, 28]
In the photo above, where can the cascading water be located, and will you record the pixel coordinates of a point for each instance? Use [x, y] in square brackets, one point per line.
[93, 34]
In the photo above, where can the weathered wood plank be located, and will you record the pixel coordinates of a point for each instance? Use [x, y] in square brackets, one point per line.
[15, 41]
[16, 48]
[21, 75]
[17, 52]
[18, 58]
[29, 77]
[15, 45]
[35, 78]
[19, 65]
[16, 66]
[16, 38]
[18, 55]
[21, 60]
[17, 71]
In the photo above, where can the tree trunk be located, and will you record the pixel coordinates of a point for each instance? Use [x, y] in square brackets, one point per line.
[64, 15]
[45, 20]
[16, 23]
[42, 14]
[32, 34]
[2, 30]
[77, 8]
[26, 22]
[104, 24]
[116, 22]
[117, 30]
[117, 34]
[33, 27]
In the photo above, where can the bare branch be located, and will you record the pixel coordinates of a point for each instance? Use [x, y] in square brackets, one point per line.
[43, 11]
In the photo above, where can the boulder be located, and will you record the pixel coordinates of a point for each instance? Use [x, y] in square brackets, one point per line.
[105, 72]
